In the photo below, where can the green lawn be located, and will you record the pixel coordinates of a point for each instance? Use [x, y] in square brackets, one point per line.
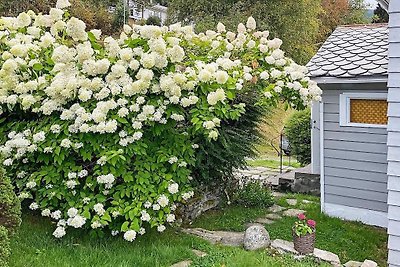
[35, 247]
[273, 163]
[350, 240]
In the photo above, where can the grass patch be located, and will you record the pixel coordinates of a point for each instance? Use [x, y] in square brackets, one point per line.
[35, 247]
[273, 164]
[349, 240]
[231, 218]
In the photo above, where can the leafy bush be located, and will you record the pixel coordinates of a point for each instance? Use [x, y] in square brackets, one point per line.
[107, 134]
[254, 194]
[10, 211]
[10, 206]
[298, 132]
[153, 20]
[4, 246]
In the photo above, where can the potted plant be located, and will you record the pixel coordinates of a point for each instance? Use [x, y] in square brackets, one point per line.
[304, 235]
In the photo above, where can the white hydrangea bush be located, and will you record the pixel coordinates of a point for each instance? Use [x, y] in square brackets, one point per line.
[101, 133]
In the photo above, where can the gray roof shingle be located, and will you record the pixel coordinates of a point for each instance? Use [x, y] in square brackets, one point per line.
[351, 52]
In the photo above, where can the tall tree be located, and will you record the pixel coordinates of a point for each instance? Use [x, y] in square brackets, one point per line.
[380, 15]
[294, 21]
[93, 12]
[340, 12]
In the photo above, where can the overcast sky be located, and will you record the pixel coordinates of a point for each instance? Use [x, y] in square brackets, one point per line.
[372, 3]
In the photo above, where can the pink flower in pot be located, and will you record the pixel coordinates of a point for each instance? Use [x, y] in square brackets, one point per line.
[301, 216]
[311, 223]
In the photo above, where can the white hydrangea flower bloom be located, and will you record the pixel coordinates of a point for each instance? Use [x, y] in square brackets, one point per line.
[130, 235]
[173, 188]
[59, 232]
[161, 228]
[61, 4]
[33, 206]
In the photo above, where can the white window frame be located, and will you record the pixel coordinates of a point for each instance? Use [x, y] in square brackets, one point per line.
[345, 108]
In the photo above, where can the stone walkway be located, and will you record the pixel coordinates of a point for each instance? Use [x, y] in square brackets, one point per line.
[265, 175]
[275, 213]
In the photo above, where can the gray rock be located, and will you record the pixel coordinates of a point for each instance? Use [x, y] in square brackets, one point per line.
[278, 194]
[353, 264]
[369, 263]
[283, 246]
[293, 212]
[326, 256]
[276, 208]
[264, 221]
[199, 253]
[256, 237]
[182, 264]
[306, 182]
[305, 201]
[217, 237]
[291, 201]
[199, 204]
[273, 216]
[247, 225]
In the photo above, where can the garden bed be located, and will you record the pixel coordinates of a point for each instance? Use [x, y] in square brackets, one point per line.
[34, 245]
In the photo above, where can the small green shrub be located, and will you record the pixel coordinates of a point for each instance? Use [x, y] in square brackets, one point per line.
[254, 194]
[153, 20]
[4, 246]
[10, 206]
[298, 132]
[10, 212]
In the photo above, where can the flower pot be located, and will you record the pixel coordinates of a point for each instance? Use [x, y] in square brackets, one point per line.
[304, 244]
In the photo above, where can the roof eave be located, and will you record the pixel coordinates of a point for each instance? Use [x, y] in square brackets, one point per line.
[361, 79]
[384, 4]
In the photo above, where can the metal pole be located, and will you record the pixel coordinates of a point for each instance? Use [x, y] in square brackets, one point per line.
[281, 154]
[124, 2]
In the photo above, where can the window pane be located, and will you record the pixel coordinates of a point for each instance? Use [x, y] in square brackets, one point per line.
[368, 111]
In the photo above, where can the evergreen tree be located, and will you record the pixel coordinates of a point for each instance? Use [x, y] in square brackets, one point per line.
[380, 15]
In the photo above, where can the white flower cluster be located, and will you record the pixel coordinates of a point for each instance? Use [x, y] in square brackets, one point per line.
[87, 91]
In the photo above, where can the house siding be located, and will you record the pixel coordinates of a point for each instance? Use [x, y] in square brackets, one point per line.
[394, 135]
[355, 158]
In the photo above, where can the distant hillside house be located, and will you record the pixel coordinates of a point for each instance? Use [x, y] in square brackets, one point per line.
[137, 12]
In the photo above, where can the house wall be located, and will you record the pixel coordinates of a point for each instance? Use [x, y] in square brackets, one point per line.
[355, 161]
[394, 134]
[315, 138]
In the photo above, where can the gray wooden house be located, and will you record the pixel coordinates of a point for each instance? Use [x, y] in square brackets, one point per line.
[356, 126]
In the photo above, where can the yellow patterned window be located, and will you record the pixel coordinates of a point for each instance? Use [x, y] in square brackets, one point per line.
[363, 109]
[368, 111]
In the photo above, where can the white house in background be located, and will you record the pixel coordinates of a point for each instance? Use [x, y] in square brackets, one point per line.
[356, 131]
[138, 13]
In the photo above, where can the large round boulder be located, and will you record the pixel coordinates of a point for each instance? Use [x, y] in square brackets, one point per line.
[256, 237]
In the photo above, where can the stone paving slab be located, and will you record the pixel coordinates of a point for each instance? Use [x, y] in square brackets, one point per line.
[353, 264]
[199, 253]
[291, 201]
[182, 264]
[276, 208]
[369, 263]
[217, 237]
[273, 216]
[326, 256]
[293, 212]
[284, 246]
[264, 221]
